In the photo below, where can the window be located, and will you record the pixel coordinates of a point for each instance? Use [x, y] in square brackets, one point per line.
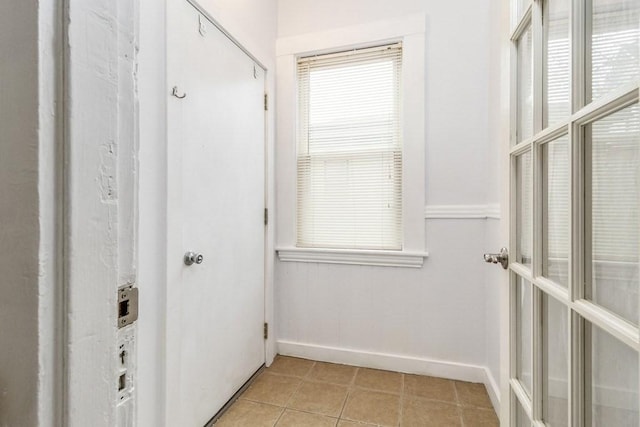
[349, 150]
[351, 145]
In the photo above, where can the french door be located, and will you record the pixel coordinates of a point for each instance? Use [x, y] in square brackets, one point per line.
[575, 223]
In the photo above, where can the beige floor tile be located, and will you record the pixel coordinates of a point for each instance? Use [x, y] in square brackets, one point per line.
[473, 394]
[320, 398]
[476, 417]
[292, 418]
[244, 413]
[391, 382]
[273, 389]
[293, 366]
[332, 373]
[373, 398]
[372, 407]
[418, 412]
[345, 423]
[429, 388]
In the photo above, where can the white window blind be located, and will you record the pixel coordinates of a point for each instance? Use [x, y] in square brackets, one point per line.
[349, 157]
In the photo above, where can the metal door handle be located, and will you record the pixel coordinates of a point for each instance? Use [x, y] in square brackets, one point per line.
[191, 258]
[502, 258]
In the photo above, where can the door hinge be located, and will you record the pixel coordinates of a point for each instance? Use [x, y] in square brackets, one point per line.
[266, 330]
[266, 216]
[266, 102]
[127, 306]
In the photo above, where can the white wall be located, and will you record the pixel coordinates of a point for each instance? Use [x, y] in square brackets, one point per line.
[29, 61]
[253, 24]
[438, 314]
[457, 77]
[19, 234]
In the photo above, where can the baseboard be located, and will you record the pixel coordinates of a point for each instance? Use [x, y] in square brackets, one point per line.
[493, 388]
[395, 362]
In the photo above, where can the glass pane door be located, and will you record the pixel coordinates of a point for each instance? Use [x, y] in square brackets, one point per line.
[575, 213]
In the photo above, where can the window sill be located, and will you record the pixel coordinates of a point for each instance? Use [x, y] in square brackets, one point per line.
[353, 257]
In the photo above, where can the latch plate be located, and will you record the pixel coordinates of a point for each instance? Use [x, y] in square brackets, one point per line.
[127, 306]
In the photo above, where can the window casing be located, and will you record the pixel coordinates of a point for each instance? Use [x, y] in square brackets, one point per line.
[409, 30]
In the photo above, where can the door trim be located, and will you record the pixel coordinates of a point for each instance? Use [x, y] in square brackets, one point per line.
[227, 34]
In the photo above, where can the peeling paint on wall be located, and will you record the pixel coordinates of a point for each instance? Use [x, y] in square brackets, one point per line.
[102, 148]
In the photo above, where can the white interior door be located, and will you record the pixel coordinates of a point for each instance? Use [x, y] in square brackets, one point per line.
[216, 209]
[575, 224]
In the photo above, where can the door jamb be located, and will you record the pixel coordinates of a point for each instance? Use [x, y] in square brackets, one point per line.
[99, 205]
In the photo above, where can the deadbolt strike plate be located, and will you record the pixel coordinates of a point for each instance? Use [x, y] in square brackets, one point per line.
[127, 306]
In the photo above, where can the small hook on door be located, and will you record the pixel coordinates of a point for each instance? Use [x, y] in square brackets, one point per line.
[174, 92]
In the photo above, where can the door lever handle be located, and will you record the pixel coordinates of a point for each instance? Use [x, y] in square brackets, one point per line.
[501, 258]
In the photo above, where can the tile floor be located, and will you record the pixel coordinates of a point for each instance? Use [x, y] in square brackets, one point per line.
[303, 393]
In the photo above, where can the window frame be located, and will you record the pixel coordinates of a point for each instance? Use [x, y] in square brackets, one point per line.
[410, 31]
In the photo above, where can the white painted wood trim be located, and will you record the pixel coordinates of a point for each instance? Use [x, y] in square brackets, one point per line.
[489, 211]
[352, 35]
[493, 211]
[493, 388]
[100, 112]
[395, 362]
[353, 257]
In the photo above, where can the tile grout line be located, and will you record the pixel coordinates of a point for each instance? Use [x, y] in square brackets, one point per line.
[458, 404]
[308, 412]
[350, 387]
[401, 399]
[286, 404]
[279, 416]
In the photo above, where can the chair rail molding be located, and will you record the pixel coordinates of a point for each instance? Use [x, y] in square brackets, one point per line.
[353, 257]
[488, 211]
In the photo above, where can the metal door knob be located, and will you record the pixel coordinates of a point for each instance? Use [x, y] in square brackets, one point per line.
[191, 258]
[502, 258]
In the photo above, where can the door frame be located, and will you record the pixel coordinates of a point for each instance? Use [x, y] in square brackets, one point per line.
[504, 123]
[174, 171]
[97, 208]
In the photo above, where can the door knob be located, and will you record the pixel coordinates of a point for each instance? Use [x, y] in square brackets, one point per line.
[502, 258]
[191, 258]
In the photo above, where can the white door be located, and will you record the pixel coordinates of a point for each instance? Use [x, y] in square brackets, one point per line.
[216, 209]
[575, 223]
